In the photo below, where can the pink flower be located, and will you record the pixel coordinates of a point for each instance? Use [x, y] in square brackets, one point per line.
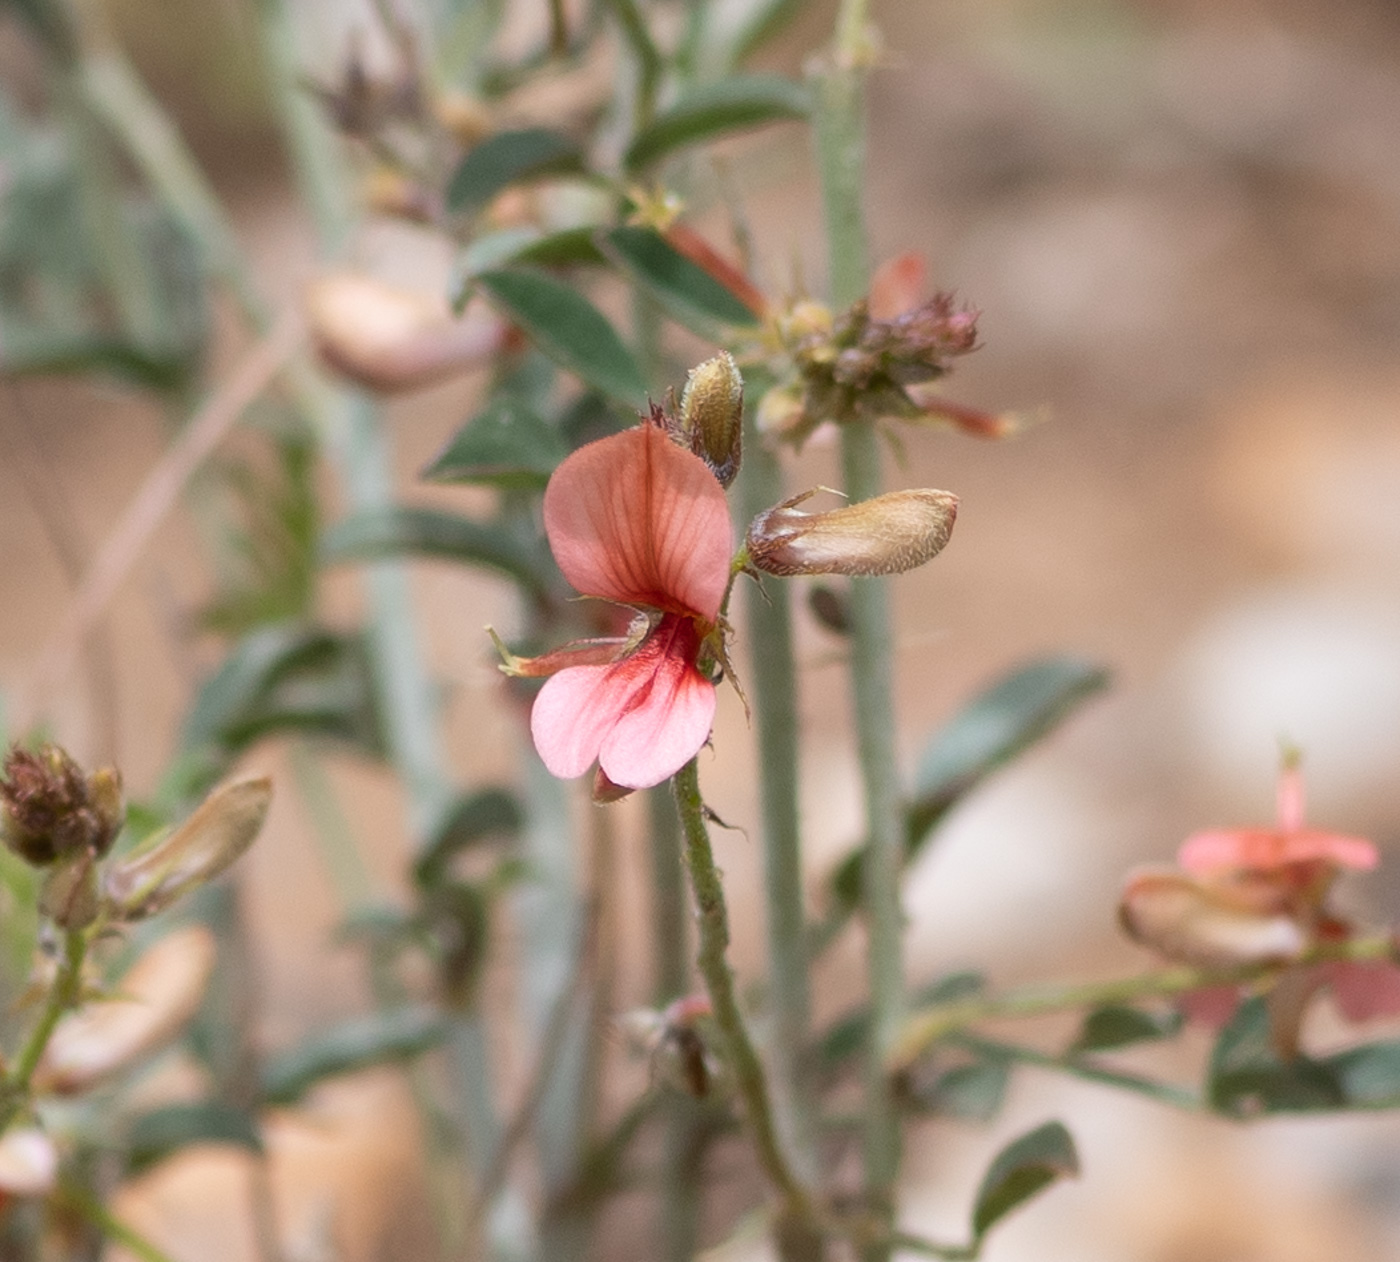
[1257, 895]
[637, 520]
[1266, 849]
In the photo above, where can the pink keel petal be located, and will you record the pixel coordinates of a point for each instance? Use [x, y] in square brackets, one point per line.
[574, 711]
[655, 739]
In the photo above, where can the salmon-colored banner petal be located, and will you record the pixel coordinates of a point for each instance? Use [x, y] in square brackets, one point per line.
[635, 519]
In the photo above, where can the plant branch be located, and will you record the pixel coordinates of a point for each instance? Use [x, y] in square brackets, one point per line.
[928, 1025]
[739, 1052]
[64, 994]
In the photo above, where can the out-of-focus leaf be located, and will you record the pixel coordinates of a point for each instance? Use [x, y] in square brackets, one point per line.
[286, 678]
[970, 1093]
[426, 532]
[1369, 1076]
[717, 109]
[1117, 1025]
[457, 916]
[164, 1131]
[353, 1045]
[40, 353]
[507, 445]
[1246, 1077]
[525, 246]
[590, 417]
[846, 1036]
[997, 725]
[684, 290]
[486, 813]
[376, 924]
[569, 329]
[272, 550]
[507, 158]
[1022, 1169]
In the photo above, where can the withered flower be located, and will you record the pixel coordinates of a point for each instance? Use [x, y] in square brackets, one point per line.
[49, 810]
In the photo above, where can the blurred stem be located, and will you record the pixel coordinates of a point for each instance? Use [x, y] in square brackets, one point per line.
[774, 690]
[937, 1021]
[95, 1212]
[645, 53]
[795, 1209]
[841, 162]
[63, 994]
[684, 1146]
[1086, 1071]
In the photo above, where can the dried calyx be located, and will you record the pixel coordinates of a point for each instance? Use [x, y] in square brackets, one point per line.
[52, 811]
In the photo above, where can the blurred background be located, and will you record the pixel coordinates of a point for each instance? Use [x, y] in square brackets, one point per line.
[1181, 223]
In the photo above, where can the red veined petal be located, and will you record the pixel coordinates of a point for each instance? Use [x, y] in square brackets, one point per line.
[643, 717]
[635, 519]
[655, 739]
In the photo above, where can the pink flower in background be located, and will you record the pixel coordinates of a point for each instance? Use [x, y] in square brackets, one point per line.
[1258, 895]
[637, 520]
[1289, 843]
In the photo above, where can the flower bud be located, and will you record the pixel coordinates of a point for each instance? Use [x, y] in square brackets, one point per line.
[150, 1005]
[1210, 925]
[220, 830]
[390, 192]
[885, 535]
[389, 339]
[28, 1162]
[49, 810]
[712, 415]
[466, 118]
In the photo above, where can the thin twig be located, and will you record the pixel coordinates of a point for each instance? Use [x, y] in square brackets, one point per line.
[551, 1043]
[157, 496]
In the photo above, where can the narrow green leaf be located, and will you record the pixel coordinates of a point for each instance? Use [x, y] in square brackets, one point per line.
[570, 330]
[507, 445]
[1369, 1076]
[1117, 1025]
[485, 813]
[427, 532]
[507, 158]
[685, 291]
[718, 109]
[970, 1093]
[1022, 1169]
[353, 1045]
[164, 1131]
[279, 678]
[1246, 1078]
[1013, 714]
[569, 247]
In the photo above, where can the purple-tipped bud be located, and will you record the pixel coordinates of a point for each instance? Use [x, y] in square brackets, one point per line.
[49, 810]
[885, 535]
[712, 415]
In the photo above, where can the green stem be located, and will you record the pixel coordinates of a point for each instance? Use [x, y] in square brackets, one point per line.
[840, 158]
[94, 1211]
[679, 1228]
[736, 1045]
[926, 1026]
[63, 994]
[774, 691]
[1077, 1067]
